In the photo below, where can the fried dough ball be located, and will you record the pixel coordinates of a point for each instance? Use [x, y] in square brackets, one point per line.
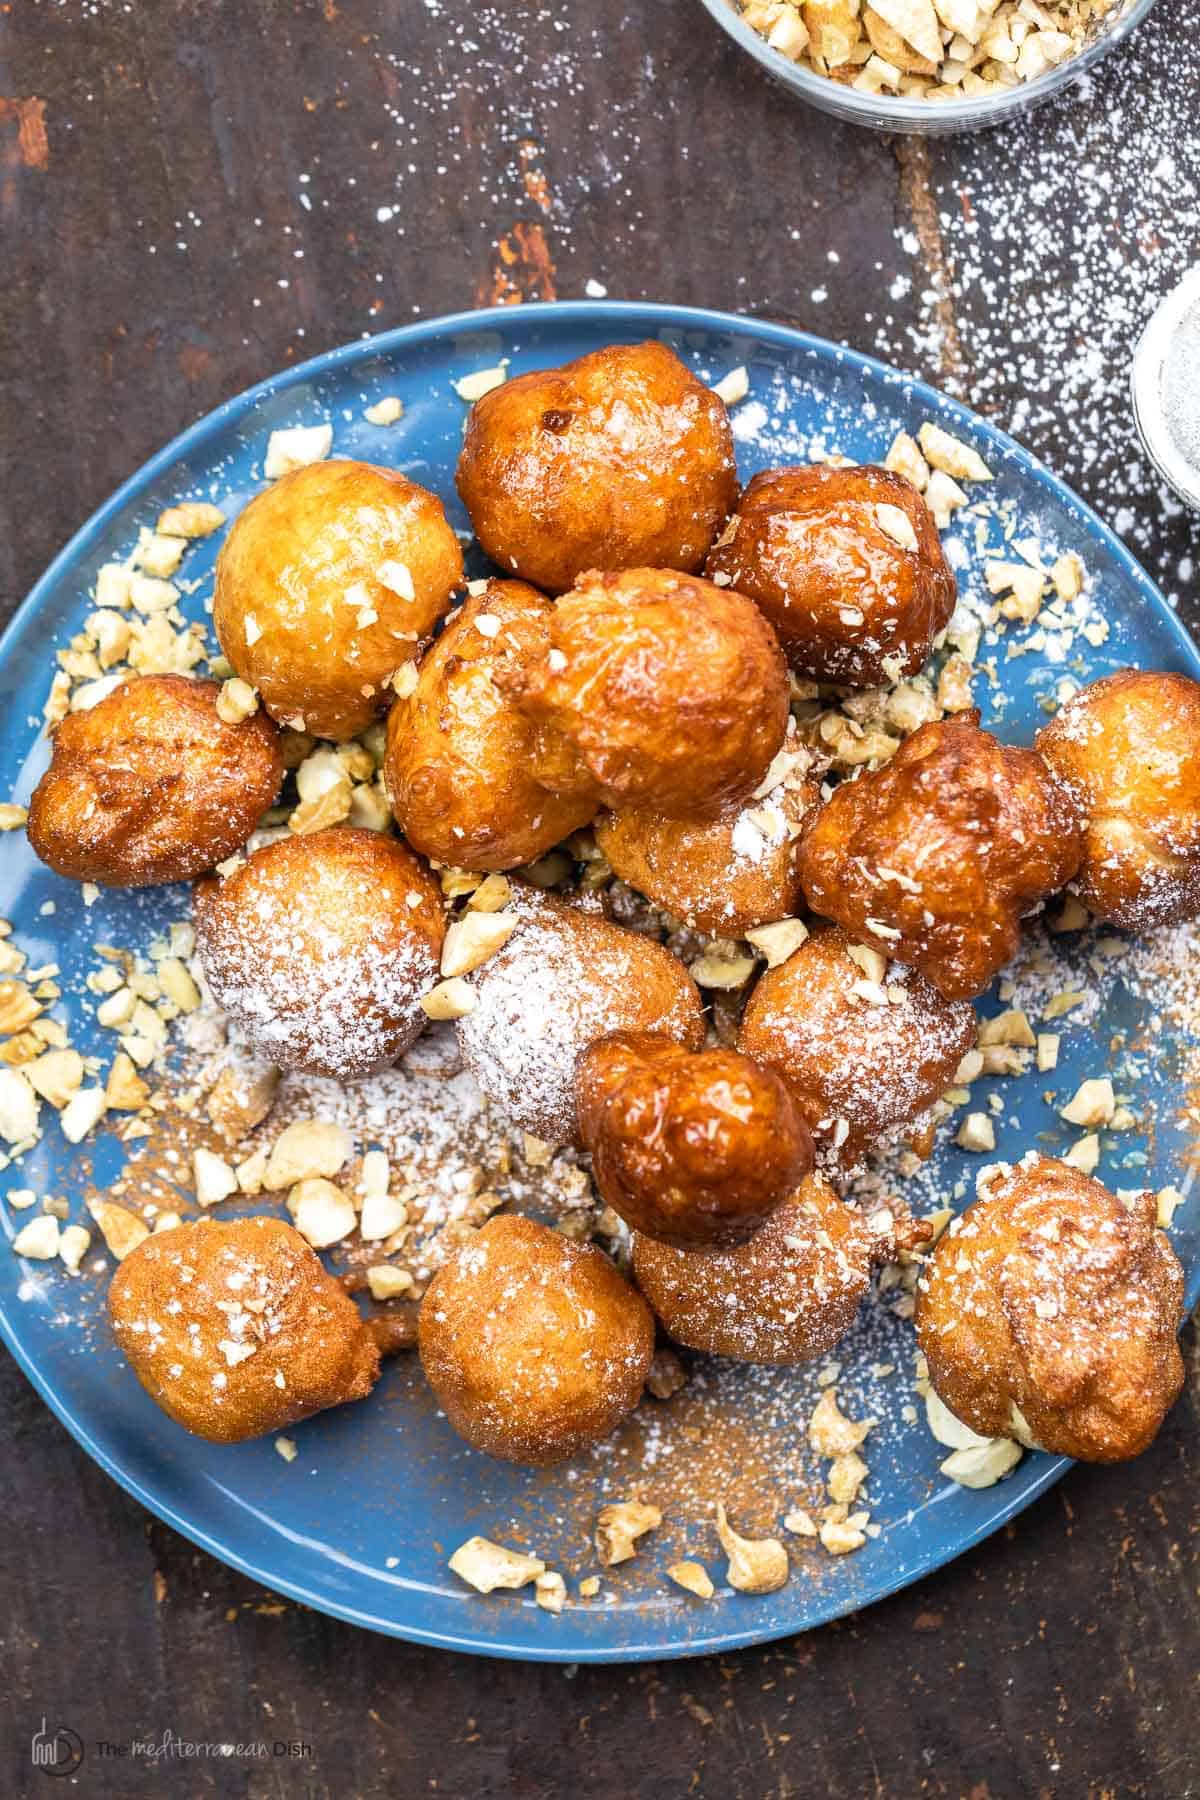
[865, 1047]
[151, 785]
[321, 946]
[236, 1329]
[326, 585]
[619, 460]
[688, 1147]
[1049, 1313]
[459, 751]
[848, 566]
[565, 978]
[1128, 747]
[722, 875]
[655, 690]
[788, 1294]
[534, 1346]
[936, 856]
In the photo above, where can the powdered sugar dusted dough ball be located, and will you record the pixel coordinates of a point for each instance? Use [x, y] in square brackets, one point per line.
[321, 947]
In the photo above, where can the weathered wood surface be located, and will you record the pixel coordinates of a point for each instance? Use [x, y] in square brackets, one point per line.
[193, 194]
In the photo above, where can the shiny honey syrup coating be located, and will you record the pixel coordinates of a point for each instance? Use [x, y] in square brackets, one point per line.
[728, 874]
[320, 947]
[656, 690]
[565, 977]
[459, 751]
[621, 459]
[535, 1347]
[1128, 747]
[848, 566]
[1049, 1312]
[152, 785]
[866, 1047]
[689, 1147]
[326, 585]
[786, 1295]
[936, 857]
[236, 1329]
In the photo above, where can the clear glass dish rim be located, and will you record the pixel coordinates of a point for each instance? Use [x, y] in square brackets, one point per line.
[898, 112]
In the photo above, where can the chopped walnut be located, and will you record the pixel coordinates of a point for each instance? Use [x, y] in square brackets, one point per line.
[666, 1376]
[486, 1566]
[756, 1565]
[830, 1432]
[620, 1525]
[121, 1230]
[240, 1099]
[550, 1591]
[694, 1577]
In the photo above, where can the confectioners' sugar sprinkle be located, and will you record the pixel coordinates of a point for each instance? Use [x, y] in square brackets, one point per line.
[1055, 247]
[286, 975]
[542, 998]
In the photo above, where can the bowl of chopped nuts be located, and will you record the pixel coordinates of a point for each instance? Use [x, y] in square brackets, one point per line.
[928, 66]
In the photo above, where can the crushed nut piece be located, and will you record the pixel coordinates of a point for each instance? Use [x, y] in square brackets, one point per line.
[694, 1577]
[296, 447]
[214, 1179]
[620, 1525]
[756, 1565]
[776, 942]
[385, 411]
[1093, 1103]
[452, 999]
[121, 1230]
[734, 387]
[39, 1240]
[472, 939]
[976, 1133]
[474, 387]
[387, 1282]
[305, 1150]
[830, 1432]
[323, 1214]
[550, 1591]
[982, 1465]
[486, 1566]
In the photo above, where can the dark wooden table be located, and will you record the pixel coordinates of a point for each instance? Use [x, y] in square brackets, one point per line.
[194, 193]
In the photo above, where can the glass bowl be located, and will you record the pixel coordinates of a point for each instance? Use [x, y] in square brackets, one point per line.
[930, 118]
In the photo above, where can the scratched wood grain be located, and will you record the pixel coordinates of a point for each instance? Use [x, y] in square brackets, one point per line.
[191, 196]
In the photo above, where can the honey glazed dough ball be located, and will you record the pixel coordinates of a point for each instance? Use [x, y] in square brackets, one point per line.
[459, 751]
[848, 566]
[1128, 747]
[327, 584]
[320, 948]
[688, 1147]
[151, 785]
[1049, 1312]
[786, 1295]
[534, 1346]
[655, 690]
[937, 856]
[865, 1046]
[723, 875]
[236, 1329]
[566, 977]
[618, 460]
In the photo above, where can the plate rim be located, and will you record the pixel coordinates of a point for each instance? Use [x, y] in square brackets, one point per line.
[654, 318]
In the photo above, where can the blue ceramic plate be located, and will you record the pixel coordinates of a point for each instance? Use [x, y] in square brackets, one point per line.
[359, 1525]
